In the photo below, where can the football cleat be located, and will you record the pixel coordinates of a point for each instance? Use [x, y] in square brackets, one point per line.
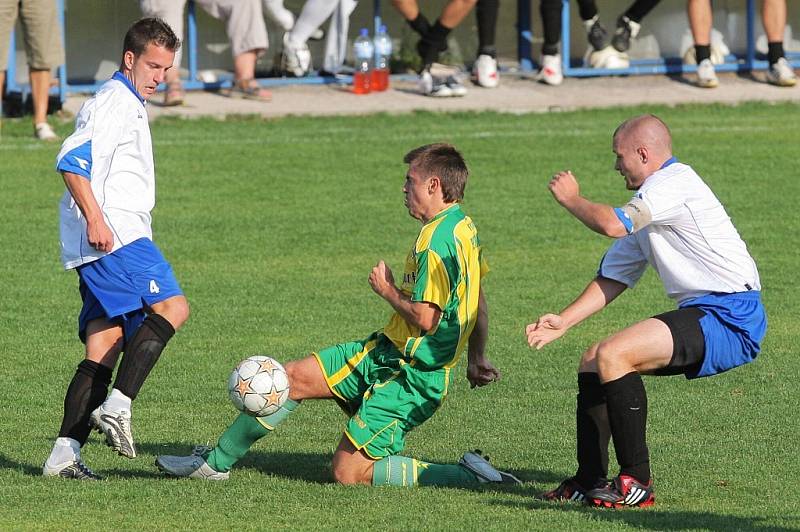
[781, 74]
[456, 87]
[428, 85]
[484, 72]
[622, 492]
[568, 490]
[706, 76]
[596, 33]
[626, 30]
[551, 72]
[478, 464]
[295, 59]
[192, 466]
[117, 428]
[73, 469]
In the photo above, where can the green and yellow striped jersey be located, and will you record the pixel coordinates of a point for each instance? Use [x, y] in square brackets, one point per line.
[445, 268]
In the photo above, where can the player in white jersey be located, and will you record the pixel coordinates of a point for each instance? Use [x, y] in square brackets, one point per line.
[676, 224]
[131, 299]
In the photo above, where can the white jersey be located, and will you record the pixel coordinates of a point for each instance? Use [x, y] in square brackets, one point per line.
[686, 236]
[111, 147]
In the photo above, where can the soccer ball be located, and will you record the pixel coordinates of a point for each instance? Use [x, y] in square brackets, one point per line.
[258, 386]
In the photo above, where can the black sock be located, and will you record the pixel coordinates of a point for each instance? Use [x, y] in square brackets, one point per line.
[774, 52]
[420, 24]
[702, 51]
[592, 430]
[486, 13]
[550, 10]
[142, 353]
[86, 392]
[640, 9]
[433, 43]
[587, 9]
[627, 414]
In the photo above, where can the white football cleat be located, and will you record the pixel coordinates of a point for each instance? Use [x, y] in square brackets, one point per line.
[295, 59]
[43, 131]
[706, 75]
[475, 462]
[551, 72]
[428, 85]
[456, 87]
[117, 428]
[74, 468]
[192, 466]
[484, 72]
[781, 74]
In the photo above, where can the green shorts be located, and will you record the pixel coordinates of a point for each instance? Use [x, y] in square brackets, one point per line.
[385, 395]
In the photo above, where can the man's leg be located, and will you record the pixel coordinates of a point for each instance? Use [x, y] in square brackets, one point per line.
[40, 94]
[86, 391]
[629, 23]
[780, 72]
[171, 11]
[701, 21]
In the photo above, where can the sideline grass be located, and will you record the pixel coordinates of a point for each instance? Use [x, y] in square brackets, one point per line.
[272, 228]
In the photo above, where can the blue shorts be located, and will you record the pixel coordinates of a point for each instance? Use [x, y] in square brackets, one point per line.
[122, 285]
[733, 327]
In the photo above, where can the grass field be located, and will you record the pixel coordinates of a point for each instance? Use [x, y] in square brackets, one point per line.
[272, 228]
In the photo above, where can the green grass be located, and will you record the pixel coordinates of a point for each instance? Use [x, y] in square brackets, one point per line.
[272, 228]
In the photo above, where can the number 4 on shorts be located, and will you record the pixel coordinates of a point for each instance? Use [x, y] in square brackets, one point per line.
[154, 289]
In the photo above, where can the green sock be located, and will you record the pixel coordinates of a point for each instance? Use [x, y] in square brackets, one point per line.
[405, 471]
[242, 434]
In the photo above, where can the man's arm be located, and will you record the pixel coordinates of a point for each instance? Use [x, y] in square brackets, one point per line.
[480, 371]
[596, 216]
[597, 294]
[99, 235]
[418, 313]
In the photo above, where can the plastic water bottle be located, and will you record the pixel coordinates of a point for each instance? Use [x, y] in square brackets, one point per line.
[362, 53]
[383, 54]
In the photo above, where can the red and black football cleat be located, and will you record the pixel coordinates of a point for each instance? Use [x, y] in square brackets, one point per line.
[623, 491]
[568, 490]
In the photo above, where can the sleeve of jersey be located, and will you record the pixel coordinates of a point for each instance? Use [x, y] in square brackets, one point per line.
[433, 281]
[624, 262]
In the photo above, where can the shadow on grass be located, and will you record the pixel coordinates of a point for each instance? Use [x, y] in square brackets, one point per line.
[653, 519]
[25, 469]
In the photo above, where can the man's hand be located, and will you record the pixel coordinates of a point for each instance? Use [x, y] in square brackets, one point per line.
[546, 329]
[564, 187]
[481, 372]
[100, 236]
[381, 280]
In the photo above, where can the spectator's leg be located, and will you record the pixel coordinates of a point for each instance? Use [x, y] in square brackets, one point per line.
[550, 11]
[486, 13]
[313, 15]
[587, 9]
[640, 8]
[40, 93]
[700, 22]
[171, 12]
[774, 16]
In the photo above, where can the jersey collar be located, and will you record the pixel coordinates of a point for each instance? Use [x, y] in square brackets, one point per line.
[446, 211]
[119, 76]
[668, 162]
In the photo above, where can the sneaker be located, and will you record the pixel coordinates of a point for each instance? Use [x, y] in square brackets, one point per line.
[431, 86]
[295, 60]
[550, 72]
[706, 76]
[484, 72]
[623, 491]
[475, 462]
[596, 33]
[73, 469]
[568, 490]
[456, 87]
[781, 74]
[626, 30]
[43, 131]
[117, 428]
[192, 466]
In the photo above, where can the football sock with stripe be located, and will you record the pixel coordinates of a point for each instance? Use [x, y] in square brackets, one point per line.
[404, 471]
[86, 392]
[592, 430]
[141, 354]
[242, 434]
[627, 414]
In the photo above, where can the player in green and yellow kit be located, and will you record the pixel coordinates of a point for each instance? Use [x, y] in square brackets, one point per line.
[396, 378]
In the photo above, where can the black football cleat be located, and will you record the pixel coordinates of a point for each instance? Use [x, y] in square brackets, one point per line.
[624, 491]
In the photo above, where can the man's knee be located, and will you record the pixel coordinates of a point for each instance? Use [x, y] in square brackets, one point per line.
[175, 310]
[348, 474]
[588, 361]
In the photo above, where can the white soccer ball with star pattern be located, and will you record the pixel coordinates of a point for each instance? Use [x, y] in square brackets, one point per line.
[258, 386]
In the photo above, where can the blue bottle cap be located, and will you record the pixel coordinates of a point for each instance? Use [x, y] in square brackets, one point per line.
[382, 29]
[364, 32]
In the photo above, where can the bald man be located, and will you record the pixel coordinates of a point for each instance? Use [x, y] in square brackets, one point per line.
[677, 225]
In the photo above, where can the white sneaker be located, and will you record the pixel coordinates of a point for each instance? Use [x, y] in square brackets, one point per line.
[706, 76]
[192, 466]
[484, 72]
[117, 428]
[781, 74]
[480, 466]
[456, 87]
[74, 468]
[550, 72]
[434, 87]
[43, 131]
[295, 59]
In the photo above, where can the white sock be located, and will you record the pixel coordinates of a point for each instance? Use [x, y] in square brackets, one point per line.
[64, 450]
[314, 13]
[117, 401]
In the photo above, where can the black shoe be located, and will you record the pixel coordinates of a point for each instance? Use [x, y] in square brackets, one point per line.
[623, 491]
[73, 469]
[626, 30]
[596, 33]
